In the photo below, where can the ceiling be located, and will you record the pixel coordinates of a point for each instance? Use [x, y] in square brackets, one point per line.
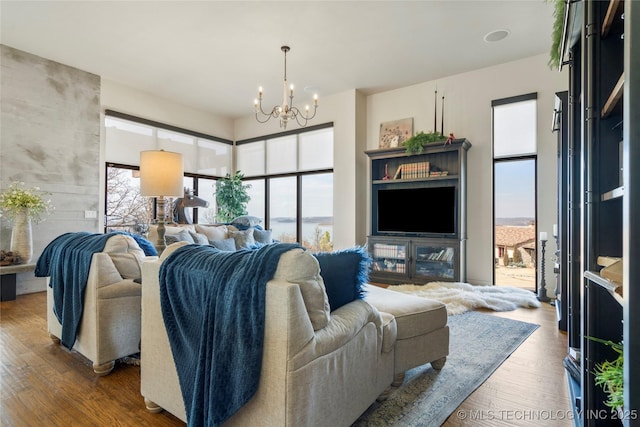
[213, 55]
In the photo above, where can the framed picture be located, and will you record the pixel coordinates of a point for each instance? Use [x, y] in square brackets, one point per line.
[393, 134]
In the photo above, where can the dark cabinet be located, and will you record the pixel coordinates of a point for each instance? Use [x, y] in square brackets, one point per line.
[418, 213]
[413, 260]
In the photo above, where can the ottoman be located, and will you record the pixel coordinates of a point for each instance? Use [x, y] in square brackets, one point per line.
[422, 331]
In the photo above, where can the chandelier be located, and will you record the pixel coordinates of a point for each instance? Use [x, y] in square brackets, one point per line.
[286, 111]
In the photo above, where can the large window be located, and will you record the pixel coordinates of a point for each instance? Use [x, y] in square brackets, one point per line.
[514, 191]
[206, 158]
[291, 177]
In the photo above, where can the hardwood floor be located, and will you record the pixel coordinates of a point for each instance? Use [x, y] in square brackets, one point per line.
[43, 384]
[530, 387]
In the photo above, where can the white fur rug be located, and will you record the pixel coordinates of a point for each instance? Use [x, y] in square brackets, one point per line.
[462, 297]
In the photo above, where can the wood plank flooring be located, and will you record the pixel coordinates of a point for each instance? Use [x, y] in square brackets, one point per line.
[43, 384]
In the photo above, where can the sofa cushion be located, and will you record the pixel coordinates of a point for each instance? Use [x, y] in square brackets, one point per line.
[244, 238]
[199, 238]
[126, 255]
[168, 229]
[299, 266]
[146, 246]
[344, 273]
[213, 232]
[122, 289]
[181, 236]
[262, 236]
[246, 221]
[224, 244]
[414, 315]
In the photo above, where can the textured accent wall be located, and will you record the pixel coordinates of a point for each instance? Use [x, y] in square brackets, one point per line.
[50, 138]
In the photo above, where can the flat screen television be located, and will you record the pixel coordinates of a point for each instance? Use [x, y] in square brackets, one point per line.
[427, 210]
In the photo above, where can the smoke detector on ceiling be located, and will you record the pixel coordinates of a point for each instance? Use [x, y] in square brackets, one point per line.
[496, 35]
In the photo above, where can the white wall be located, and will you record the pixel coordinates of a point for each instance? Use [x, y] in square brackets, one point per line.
[125, 99]
[468, 99]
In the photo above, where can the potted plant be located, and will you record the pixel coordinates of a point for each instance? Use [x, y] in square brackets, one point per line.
[22, 206]
[610, 375]
[231, 197]
[415, 144]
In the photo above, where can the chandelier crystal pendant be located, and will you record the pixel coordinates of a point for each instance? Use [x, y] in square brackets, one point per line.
[286, 111]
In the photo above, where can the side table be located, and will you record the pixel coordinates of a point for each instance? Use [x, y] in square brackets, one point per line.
[8, 279]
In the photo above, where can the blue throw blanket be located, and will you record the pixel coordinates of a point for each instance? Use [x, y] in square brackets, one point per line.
[213, 305]
[66, 260]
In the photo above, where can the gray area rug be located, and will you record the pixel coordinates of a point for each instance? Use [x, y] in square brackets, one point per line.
[478, 345]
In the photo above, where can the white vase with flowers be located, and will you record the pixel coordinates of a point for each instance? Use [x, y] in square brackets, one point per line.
[23, 206]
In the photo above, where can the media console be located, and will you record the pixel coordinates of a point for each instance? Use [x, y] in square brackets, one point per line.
[418, 213]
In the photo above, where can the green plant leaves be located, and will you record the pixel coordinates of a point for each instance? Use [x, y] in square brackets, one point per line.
[416, 142]
[231, 197]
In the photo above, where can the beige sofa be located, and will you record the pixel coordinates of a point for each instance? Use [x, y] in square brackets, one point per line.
[110, 325]
[319, 368]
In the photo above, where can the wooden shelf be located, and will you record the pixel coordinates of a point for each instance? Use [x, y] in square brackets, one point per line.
[616, 193]
[605, 283]
[614, 97]
[612, 12]
[397, 181]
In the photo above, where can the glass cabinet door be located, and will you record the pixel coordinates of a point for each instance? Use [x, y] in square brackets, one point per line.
[389, 257]
[437, 261]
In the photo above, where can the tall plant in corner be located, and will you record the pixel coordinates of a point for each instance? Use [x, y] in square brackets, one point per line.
[231, 197]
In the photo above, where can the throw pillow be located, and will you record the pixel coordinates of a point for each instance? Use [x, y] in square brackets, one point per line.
[182, 236]
[344, 273]
[244, 238]
[126, 255]
[213, 232]
[246, 221]
[224, 244]
[146, 246]
[299, 266]
[199, 238]
[262, 236]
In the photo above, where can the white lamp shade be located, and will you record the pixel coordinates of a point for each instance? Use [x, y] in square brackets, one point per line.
[161, 174]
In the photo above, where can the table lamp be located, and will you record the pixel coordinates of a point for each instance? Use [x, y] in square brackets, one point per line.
[161, 175]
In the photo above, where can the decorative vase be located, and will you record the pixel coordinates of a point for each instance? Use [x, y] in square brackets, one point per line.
[21, 239]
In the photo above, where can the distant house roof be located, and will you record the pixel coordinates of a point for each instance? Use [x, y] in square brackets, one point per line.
[511, 236]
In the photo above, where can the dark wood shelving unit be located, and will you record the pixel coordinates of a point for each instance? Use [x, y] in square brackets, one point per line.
[614, 98]
[598, 211]
[419, 257]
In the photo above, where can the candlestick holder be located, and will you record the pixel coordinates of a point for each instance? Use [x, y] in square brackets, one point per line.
[542, 289]
[556, 268]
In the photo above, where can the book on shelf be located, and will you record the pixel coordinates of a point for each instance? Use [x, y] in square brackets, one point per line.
[412, 170]
[397, 174]
[382, 250]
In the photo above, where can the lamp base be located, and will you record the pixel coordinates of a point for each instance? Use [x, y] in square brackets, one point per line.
[160, 244]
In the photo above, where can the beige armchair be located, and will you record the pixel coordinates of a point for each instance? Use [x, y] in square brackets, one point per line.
[110, 325]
